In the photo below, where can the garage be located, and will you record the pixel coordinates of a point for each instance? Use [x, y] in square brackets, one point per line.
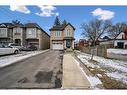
[57, 46]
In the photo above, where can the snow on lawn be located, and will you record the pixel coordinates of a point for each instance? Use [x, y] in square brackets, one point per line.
[116, 69]
[117, 51]
[10, 59]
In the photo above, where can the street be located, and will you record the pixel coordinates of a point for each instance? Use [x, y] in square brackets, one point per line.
[41, 71]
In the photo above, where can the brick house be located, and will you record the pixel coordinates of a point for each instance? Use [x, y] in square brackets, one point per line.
[24, 34]
[62, 35]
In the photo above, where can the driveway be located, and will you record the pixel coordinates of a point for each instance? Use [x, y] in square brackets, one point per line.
[41, 71]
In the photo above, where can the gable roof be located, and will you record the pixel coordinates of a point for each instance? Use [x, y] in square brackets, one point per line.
[35, 25]
[32, 25]
[60, 27]
[6, 25]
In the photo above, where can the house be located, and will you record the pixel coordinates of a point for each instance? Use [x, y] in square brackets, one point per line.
[6, 33]
[18, 34]
[24, 34]
[37, 36]
[83, 42]
[62, 35]
[121, 40]
[106, 41]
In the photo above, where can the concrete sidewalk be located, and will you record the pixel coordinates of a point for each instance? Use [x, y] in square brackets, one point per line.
[73, 77]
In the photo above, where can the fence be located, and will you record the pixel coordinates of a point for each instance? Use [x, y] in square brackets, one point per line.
[100, 50]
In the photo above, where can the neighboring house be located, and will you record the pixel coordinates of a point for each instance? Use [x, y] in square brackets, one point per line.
[6, 33]
[18, 34]
[121, 40]
[83, 42]
[62, 35]
[37, 36]
[106, 41]
[24, 34]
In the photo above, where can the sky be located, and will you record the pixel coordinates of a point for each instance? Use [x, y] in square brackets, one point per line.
[76, 15]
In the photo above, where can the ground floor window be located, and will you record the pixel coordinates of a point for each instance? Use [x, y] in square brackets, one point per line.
[120, 44]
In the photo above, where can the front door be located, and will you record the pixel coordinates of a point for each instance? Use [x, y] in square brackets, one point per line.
[18, 41]
[68, 43]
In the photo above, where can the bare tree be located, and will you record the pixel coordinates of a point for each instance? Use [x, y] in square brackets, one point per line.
[117, 29]
[94, 29]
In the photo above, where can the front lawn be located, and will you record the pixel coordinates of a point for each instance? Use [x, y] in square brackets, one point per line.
[112, 73]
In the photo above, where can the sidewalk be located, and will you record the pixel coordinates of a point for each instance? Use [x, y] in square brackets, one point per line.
[73, 77]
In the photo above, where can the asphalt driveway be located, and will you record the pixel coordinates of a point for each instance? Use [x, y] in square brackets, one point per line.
[41, 71]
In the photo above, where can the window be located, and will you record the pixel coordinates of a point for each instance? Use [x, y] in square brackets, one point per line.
[17, 31]
[68, 33]
[31, 33]
[3, 32]
[58, 34]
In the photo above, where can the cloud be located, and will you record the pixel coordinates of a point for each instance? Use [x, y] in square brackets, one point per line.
[47, 11]
[20, 8]
[103, 14]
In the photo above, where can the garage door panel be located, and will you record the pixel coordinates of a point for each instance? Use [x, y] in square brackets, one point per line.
[57, 46]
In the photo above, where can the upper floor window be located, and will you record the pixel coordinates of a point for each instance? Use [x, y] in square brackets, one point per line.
[3, 32]
[17, 31]
[58, 34]
[68, 32]
[31, 33]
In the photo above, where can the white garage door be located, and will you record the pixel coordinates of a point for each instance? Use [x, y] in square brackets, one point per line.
[57, 46]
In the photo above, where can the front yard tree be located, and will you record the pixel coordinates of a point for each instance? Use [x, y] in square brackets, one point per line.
[94, 29]
[117, 29]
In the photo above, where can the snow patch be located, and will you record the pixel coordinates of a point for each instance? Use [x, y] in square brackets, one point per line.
[94, 81]
[118, 76]
[7, 60]
[116, 69]
[117, 51]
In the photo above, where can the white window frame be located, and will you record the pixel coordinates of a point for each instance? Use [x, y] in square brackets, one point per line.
[68, 33]
[58, 34]
[3, 33]
[18, 30]
[31, 34]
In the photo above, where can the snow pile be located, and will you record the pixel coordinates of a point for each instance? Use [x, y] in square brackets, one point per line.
[117, 51]
[94, 81]
[7, 60]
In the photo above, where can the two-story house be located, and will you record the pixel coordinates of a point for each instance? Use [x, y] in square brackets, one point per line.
[18, 34]
[24, 34]
[6, 33]
[61, 35]
[37, 36]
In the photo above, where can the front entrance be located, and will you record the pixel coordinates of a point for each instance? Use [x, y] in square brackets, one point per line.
[18, 41]
[68, 43]
[120, 44]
